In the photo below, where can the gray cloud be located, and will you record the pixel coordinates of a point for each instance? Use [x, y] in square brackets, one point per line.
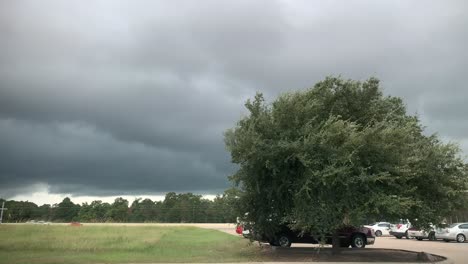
[115, 97]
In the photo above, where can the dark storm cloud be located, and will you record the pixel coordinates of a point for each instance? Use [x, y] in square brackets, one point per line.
[121, 97]
[78, 159]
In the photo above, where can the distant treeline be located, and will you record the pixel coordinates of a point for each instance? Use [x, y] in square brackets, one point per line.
[176, 208]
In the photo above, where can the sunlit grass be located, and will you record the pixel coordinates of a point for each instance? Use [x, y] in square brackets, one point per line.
[119, 244]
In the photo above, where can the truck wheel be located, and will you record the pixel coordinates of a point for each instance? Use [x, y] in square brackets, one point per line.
[283, 241]
[358, 241]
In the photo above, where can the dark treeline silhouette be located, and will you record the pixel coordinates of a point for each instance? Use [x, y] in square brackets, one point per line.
[175, 208]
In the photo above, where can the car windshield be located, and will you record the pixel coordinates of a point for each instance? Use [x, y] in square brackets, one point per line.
[453, 225]
[372, 224]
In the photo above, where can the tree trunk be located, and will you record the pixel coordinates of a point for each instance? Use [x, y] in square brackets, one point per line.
[346, 219]
[336, 245]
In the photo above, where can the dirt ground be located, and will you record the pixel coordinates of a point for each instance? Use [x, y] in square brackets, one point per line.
[307, 254]
[457, 252]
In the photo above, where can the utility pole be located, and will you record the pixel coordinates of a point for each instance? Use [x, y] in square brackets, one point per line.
[1, 211]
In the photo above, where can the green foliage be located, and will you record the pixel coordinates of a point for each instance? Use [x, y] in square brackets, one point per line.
[66, 211]
[19, 211]
[339, 153]
[175, 208]
[185, 208]
[118, 210]
[226, 207]
[141, 211]
[97, 211]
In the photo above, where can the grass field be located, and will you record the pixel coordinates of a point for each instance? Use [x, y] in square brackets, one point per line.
[120, 244]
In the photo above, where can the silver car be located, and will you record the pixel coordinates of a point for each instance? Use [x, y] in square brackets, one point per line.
[456, 231]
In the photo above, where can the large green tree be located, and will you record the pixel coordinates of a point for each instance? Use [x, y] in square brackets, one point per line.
[66, 211]
[143, 211]
[118, 211]
[339, 153]
[97, 211]
[19, 211]
[225, 208]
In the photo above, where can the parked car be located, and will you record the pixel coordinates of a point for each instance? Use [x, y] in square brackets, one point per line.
[454, 232]
[421, 234]
[243, 229]
[356, 237]
[401, 229]
[380, 228]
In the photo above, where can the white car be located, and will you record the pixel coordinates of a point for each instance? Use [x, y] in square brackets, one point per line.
[421, 234]
[380, 228]
[454, 232]
[401, 229]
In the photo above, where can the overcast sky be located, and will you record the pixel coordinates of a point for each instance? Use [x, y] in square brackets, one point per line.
[111, 98]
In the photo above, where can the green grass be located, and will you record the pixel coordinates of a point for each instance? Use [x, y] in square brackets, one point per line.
[120, 244]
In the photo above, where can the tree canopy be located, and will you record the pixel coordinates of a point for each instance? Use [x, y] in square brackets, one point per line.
[66, 211]
[339, 153]
[175, 208]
